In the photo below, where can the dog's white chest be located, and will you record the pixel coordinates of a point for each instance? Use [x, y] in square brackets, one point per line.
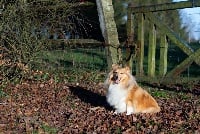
[116, 97]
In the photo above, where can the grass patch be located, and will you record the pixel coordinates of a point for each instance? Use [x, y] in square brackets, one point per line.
[88, 59]
[160, 93]
[70, 65]
[166, 94]
[118, 130]
[2, 94]
[183, 96]
[48, 129]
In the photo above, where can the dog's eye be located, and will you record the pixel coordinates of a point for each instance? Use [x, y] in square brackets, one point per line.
[121, 73]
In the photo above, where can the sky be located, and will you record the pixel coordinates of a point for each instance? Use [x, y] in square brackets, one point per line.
[191, 17]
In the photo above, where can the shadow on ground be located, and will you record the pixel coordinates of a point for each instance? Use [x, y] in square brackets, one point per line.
[90, 97]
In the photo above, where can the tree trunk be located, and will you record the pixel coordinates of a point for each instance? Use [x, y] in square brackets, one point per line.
[109, 31]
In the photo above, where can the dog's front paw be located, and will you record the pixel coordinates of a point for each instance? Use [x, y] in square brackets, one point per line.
[116, 112]
[128, 113]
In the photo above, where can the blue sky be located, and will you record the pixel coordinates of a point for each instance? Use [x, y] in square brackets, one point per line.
[191, 18]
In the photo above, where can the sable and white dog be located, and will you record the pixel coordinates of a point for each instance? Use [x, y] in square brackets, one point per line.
[125, 95]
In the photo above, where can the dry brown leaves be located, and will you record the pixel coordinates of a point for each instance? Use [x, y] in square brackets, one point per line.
[49, 107]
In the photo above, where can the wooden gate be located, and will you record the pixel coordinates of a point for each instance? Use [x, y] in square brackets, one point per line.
[138, 13]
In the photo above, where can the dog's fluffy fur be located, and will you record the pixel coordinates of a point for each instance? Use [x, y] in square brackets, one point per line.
[125, 95]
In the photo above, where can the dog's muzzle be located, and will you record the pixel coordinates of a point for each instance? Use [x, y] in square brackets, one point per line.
[115, 77]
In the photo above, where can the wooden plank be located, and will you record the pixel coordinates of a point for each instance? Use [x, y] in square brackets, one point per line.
[184, 64]
[140, 45]
[163, 55]
[173, 37]
[130, 36]
[109, 31]
[164, 6]
[152, 51]
[72, 43]
[75, 41]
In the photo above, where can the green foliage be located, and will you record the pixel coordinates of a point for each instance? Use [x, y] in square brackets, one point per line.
[120, 8]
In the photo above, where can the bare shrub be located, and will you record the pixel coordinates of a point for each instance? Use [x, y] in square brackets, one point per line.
[22, 26]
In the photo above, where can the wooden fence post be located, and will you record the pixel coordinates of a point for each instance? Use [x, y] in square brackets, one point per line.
[140, 45]
[152, 51]
[130, 36]
[109, 31]
[163, 55]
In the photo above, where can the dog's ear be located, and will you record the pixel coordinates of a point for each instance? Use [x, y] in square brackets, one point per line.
[128, 70]
[115, 66]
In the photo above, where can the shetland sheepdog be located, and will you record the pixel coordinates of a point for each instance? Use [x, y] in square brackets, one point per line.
[125, 95]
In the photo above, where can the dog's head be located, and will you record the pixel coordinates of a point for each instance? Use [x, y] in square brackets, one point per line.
[119, 75]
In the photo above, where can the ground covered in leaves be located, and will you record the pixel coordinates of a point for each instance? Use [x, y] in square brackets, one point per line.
[49, 107]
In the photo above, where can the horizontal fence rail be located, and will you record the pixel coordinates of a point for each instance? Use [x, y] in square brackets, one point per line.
[164, 7]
